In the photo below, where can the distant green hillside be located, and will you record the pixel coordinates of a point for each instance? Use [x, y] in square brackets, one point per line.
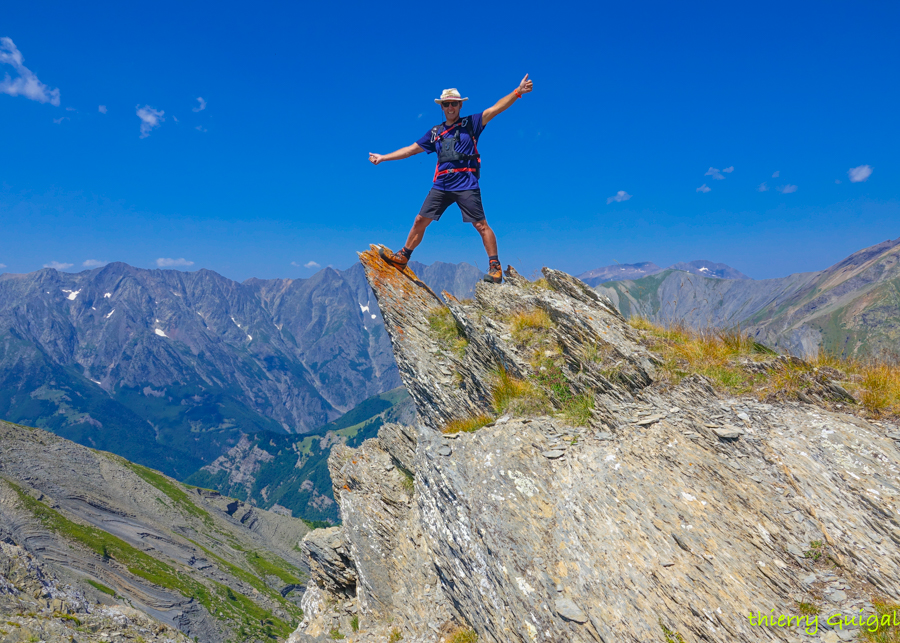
[851, 309]
[291, 471]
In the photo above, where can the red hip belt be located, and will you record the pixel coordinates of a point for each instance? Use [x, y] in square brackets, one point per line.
[452, 171]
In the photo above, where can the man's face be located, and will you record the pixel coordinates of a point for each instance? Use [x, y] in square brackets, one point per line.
[451, 108]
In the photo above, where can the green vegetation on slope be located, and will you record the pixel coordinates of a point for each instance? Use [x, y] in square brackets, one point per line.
[220, 601]
[176, 494]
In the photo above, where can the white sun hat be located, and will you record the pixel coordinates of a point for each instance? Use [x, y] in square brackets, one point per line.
[449, 94]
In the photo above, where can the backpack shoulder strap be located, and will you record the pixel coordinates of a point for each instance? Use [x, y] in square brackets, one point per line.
[470, 127]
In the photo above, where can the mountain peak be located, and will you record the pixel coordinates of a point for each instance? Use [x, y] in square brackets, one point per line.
[619, 272]
[709, 269]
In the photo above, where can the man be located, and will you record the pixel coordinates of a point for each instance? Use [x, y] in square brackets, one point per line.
[456, 176]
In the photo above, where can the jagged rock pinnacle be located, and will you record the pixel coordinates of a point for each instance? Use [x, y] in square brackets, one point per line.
[593, 504]
[450, 383]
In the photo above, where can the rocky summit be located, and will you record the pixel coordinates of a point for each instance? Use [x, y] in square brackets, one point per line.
[555, 488]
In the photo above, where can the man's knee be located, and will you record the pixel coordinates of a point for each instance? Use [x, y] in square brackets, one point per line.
[421, 222]
[482, 226]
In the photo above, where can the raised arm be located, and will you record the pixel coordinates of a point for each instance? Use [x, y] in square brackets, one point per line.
[402, 153]
[503, 104]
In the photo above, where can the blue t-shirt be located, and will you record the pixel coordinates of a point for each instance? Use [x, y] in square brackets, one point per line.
[455, 181]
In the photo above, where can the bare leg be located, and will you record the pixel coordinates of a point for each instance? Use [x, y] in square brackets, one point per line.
[487, 236]
[417, 231]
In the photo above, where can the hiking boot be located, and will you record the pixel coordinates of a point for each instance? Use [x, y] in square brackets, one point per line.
[394, 258]
[494, 274]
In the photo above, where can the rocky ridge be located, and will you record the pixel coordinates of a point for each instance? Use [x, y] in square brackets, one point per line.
[670, 513]
[851, 308]
[120, 535]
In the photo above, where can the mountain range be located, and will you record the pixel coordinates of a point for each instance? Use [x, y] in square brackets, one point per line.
[622, 271]
[171, 368]
[851, 308]
[245, 387]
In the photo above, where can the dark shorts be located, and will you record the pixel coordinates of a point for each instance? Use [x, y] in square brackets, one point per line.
[469, 202]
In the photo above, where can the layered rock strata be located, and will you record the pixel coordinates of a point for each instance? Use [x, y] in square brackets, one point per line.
[36, 606]
[674, 513]
[123, 535]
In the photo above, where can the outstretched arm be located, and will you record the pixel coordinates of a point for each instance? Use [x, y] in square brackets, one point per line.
[402, 153]
[503, 104]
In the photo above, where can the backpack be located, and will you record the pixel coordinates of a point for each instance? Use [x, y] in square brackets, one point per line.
[448, 151]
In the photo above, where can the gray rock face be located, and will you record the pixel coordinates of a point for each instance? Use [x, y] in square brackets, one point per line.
[638, 517]
[329, 559]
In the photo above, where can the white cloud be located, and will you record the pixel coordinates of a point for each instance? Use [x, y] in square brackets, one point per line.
[175, 118]
[93, 263]
[729, 169]
[150, 118]
[102, 109]
[163, 262]
[57, 265]
[295, 264]
[200, 128]
[837, 181]
[201, 107]
[25, 83]
[2, 265]
[786, 189]
[860, 173]
[311, 264]
[71, 109]
[704, 188]
[620, 196]
[713, 172]
[776, 174]
[762, 187]
[60, 119]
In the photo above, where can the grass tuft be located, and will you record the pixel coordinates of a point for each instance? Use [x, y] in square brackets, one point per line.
[467, 425]
[463, 635]
[447, 331]
[880, 627]
[670, 636]
[808, 609]
[408, 482]
[396, 635]
[879, 390]
[718, 355]
[529, 325]
[519, 397]
[579, 409]
[538, 284]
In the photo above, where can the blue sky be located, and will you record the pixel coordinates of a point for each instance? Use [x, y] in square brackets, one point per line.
[272, 173]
